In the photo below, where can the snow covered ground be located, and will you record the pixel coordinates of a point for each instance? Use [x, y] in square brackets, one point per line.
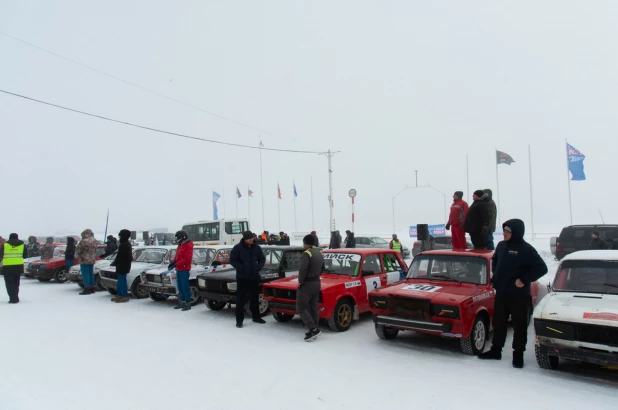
[61, 351]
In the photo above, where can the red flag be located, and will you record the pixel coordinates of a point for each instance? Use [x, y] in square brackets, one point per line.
[250, 192]
[279, 191]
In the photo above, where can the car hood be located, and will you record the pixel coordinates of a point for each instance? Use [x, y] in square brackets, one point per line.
[443, 292]
[228, 273]
[601, 309]
[33, 259]
[327, 281]
[136, 267]
[57, 259]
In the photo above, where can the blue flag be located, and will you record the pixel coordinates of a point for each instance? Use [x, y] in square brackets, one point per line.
[576, 163]
[295, 193]
[215, 211]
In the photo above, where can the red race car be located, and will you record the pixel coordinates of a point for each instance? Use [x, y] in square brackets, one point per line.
[446, 293]
[349, 276]
[55, 268]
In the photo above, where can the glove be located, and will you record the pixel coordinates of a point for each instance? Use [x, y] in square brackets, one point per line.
[171, 266]
[448, 227]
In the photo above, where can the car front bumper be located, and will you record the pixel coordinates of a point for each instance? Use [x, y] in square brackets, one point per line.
[419, 325]
[218, 297]
[158, 288]
[41, 273]
[109, 283]
[587, 355]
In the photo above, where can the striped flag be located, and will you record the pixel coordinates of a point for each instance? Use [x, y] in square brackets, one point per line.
[250, 193]
[279, 191]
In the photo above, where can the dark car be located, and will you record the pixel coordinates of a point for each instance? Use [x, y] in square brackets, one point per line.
[437, 243]
[577, 238]
[218, 288]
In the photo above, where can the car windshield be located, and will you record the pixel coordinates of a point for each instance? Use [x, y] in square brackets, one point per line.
[273, 258]
[152, 256]
[587, 277]
[59, 250]
[452, 268]
[342, 263]
[223, 256]
[203, 256]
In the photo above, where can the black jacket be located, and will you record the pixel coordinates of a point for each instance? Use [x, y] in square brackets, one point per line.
[493, 209]
[124, 257]
[334, 242]
[69, 253]
[111, 247]
[248, 261]
[597, 243]
[351, 241]
[285, 240]
[478, 217]
[33, 249]
[316, 239]
[516, 259]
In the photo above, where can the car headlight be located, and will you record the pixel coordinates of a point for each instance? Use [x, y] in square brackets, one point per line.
[30, 265]
[42, 267]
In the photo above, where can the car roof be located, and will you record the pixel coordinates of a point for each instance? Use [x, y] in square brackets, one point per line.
[595, 255]
[284, 247]
[360, 251]
[159, 247]
[591, 226]
[466, 253]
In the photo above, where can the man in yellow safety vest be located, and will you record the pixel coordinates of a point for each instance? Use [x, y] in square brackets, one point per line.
[12, 254]
[395, 244]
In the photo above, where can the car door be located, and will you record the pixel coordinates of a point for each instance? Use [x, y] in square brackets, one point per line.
[394, 270]
[372, 277]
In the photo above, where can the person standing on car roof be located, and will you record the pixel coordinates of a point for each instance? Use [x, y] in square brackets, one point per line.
[308, 294]
[248, 260]
[182, 262]
[86, 251]
[47, 250]
[334, 242]
[350, 241]
[110, 246]
[33, 247]
[69, 252]
[395, 244]
[477, 220]
[12, 254]
[493, 214]
[122, 262]
[456, 220]
[515, 265]
[315, 236]
[596, 242]
[339, 239]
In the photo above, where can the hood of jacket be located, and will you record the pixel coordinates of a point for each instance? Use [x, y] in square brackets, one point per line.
[489, 194]
[124, 235]
[351, 235]
[518, 229]
[50, 240]
[87, 233]
[70, 240]
[15, 242]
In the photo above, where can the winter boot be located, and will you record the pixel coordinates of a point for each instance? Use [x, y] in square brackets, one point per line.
[518, 359]
[239, 325]
[86, 292]
[181, 305]
[186, 307]
[312, 334]
[122, 299]
[114, 298]
[259, 320]
[491, 354]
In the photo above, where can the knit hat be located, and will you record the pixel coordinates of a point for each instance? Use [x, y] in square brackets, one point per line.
[479, 193]
[123, 234]
[13, 236]
[309, 240]
[247, 235]
[459, 194]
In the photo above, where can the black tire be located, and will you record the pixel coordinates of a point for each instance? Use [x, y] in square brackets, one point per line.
[215, 304]
[137, 292]
[195, 294]
[43, 279]
[61, 275]
[342, 316]
[113, 292]
[99, 285]
[282, 317]
[544, 360]
[475, 343]
[263, 306]
[157, 297]
[386, 333]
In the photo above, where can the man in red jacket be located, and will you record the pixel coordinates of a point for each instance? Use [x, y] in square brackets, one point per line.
[456, 219]
[182, 262]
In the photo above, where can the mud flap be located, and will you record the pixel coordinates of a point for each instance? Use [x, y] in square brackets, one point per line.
[356, 315]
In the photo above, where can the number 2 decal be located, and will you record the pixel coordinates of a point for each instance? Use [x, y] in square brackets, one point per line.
[373, 283]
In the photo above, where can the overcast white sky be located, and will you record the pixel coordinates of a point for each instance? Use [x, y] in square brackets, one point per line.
[396, 86]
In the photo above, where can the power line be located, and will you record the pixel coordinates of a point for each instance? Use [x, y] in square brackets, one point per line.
[136, 85]
[156, 129]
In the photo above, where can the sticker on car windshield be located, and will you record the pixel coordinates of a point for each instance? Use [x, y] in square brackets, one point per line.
[352, 284]
[422, 287]
[342, 256]
[601, 316]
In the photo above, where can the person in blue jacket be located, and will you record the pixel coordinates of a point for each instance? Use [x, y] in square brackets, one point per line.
[515, 265]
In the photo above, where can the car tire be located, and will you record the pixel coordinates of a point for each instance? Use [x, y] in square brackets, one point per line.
[43, 279]
[282, 317]
[158, 297]
[386, 333]
[215, 304]
[136, 291]
[113, 292]
[262, 306]
[195, 294]
[342, 316]
[544, 360]
[99, 285]
[475, 343]
[61, 275]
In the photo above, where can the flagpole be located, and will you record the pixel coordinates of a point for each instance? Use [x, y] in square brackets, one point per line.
[249, 207]
[295, 226]
[262, 193]
[531, 201]
[497, 191]
[279, 206]
[569, 180]
[236, 203]
[106, 224]
[312, 221]
[224, 207]
[467, 178]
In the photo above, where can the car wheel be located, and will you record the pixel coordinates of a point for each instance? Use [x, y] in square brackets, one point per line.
[282, 317]
[195, 294]
[61, 275]
[112, 291]
[97, 281]
[544, 360]
[341, 319]
[43, 279]
[215, 304]
[386, 333]
[137, 291]
[158, 297]
[262, 306]
[475, 343]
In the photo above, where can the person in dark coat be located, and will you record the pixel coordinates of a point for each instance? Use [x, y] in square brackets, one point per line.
[12, 254]
[69, 252]
[285, 239]
[122, 262]
[248, 260]
[334, 243]
[33, 247]
[258, 239]
[315, 236]
[110, 246]
[308, 294]
[493, 214]
[515, 266]
[596, 242]
[478, 220]
[350, 241]
[339, 239]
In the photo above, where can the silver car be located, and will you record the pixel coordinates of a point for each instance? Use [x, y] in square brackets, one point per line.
[376, 242]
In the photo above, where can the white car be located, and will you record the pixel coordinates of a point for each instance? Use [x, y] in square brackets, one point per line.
[75, 273]
[161, 283]
[151, 257]
[578, 319]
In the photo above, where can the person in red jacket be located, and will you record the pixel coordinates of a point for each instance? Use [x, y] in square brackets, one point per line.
[456, 219]
[182, 262]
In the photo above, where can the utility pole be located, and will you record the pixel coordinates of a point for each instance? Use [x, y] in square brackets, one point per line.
[329, 155]
[416, 172]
